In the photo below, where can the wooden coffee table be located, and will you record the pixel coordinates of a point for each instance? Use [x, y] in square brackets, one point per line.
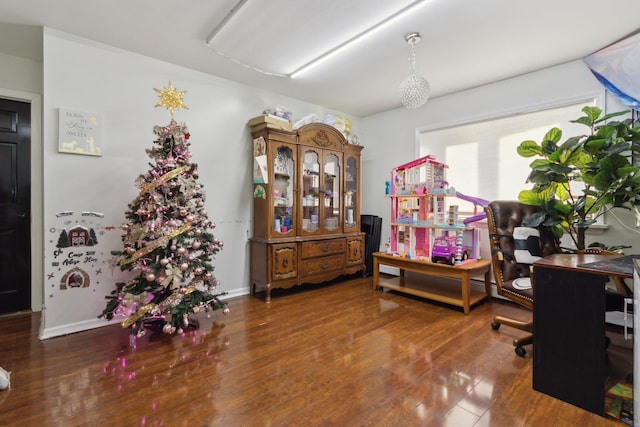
[428, 282]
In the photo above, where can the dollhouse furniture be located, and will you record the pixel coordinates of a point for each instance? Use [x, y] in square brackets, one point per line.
[306, 188]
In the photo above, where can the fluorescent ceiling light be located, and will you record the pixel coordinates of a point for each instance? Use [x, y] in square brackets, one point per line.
[225, 21]
[371, 30]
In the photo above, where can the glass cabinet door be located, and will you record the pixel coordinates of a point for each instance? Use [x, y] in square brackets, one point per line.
[351, 208]
[310, 192]
[331, 193]
[283, 191]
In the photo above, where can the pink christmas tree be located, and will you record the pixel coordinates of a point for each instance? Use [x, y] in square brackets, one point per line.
[168, 242]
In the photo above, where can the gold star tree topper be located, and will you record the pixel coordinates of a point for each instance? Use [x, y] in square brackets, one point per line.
[171, 99]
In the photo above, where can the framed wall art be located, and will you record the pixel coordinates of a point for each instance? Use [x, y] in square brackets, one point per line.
[80, 133]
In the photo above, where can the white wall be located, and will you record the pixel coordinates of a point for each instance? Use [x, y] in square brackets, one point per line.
[83, 75]
[20, 74]
[390, 138]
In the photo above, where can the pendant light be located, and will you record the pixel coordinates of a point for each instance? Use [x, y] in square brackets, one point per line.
[414, 90]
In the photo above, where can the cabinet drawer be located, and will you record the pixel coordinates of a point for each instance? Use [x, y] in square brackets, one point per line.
[322, 248]
[284, 261]
[324, 265]
[355, 250]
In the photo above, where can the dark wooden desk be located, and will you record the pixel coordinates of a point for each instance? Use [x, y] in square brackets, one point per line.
[569, 329]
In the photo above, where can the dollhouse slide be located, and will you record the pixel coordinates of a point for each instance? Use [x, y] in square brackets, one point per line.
[476, 202]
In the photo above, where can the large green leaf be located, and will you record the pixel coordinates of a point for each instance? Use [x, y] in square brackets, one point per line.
[541, 165]
[580, 159]
[529, 149]
[592, 112]
[548, 147]
[583, 120]
[573, 143]
[610, 115]
[593, 146]
[539, 177]
[617, 148]
[562, 209]
[606, 132]
[535, 219]
[530, 197]
[559, 169]
[553, 135]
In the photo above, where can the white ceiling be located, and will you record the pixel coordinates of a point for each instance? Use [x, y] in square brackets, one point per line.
[465, 43]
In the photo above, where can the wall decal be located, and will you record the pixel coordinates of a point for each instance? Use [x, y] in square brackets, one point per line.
[75, 278]
[76, 260]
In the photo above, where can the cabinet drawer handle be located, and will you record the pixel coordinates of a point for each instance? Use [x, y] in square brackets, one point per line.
[325, 248]
[285, 261]
[324, 266]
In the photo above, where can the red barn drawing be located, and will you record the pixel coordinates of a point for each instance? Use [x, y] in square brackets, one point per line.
[78, 236]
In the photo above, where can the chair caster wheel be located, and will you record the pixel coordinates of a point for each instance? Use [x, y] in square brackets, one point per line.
[520, 351]
[495, 326]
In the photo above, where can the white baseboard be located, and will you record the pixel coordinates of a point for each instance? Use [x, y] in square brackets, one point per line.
[389, 270]
[238, 292]
[71, 328]
[85, 325]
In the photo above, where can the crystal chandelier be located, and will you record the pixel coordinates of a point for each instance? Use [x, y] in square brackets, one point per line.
[414, 90]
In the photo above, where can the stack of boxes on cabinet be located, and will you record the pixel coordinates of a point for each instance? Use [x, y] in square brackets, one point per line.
[423, 225]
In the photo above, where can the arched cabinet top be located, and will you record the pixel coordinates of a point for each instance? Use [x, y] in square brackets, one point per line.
[321, 135]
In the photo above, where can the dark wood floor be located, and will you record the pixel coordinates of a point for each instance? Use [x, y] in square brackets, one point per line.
[338, 355]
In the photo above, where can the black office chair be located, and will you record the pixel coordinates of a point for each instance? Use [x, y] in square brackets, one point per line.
[503, 219]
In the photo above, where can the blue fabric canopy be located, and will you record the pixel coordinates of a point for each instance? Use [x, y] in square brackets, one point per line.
[617, 67]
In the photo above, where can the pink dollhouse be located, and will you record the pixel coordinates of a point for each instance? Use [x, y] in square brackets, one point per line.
[420, 211]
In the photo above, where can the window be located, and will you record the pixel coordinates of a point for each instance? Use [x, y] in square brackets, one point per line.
[482, 157]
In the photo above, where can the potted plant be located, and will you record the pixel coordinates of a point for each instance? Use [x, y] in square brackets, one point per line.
[578, 180]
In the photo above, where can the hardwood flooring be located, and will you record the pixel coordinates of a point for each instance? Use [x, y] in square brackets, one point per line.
[335, 355]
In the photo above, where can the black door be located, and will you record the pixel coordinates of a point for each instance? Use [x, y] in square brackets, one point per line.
[15, 208]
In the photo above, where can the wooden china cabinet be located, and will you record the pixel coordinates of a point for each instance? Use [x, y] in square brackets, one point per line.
[306, 192]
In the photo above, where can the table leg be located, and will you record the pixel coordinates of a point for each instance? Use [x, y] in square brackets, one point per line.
[466, 291]
[376, 272]
[487, 282]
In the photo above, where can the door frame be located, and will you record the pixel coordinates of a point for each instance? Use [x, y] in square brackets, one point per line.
[37, 194]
